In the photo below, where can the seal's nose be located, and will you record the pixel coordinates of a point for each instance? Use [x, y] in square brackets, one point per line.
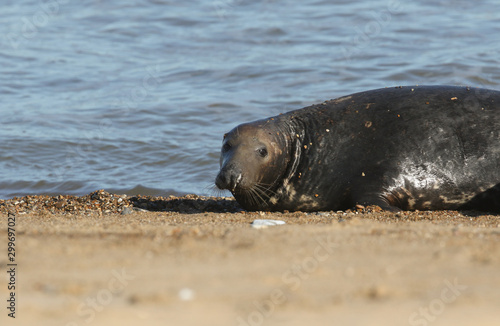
[228, 178]
[221, 181]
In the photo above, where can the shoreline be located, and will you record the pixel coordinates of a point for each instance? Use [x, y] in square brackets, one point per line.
[102, 202]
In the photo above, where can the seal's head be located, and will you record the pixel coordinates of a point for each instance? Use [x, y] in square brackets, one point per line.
[253, 158]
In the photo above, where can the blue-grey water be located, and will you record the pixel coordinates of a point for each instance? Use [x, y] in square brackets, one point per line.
[134, 96]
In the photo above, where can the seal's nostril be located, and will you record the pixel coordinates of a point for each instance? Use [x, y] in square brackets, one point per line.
[221, 181]
[229, 177]
[227, 180]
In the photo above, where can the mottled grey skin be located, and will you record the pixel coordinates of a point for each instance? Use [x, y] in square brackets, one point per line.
[403, 148]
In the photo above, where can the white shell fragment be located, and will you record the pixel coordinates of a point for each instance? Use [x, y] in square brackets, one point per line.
[262, 224]
[186, 294]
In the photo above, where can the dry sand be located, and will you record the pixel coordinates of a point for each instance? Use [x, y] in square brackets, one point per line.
[190, 267]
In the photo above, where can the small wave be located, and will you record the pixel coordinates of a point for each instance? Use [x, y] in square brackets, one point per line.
[10, 190]
[145, 191]
[43, 187]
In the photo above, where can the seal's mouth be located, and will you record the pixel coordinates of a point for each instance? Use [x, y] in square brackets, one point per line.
[238, 180]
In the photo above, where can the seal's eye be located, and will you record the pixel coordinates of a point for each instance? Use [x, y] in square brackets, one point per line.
[262, 151]
[226, 147]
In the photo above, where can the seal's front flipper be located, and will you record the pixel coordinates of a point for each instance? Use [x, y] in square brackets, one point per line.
[487, 201]
[378, 200]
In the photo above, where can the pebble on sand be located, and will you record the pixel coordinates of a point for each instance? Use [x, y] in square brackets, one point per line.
[186, 294]
[262, 224]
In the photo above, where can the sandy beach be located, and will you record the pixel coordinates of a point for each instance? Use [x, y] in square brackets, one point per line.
[199, 261]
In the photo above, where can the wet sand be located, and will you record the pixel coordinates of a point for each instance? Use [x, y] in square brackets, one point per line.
[198, 261]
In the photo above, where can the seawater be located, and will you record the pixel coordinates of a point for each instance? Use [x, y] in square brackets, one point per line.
[134, 96]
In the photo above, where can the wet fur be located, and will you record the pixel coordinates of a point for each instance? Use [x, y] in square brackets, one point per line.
[425, 147]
